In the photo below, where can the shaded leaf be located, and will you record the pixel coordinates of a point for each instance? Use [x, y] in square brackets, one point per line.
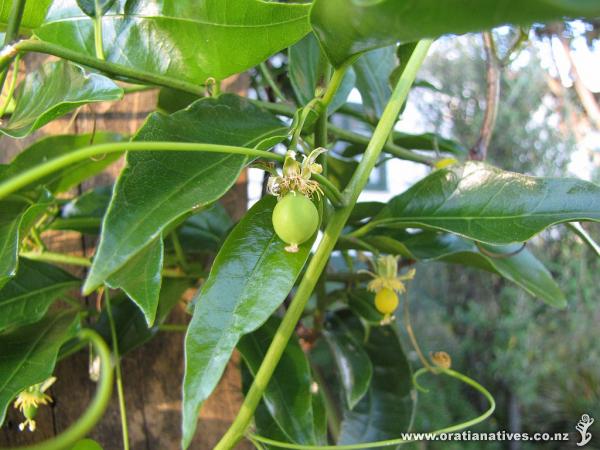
[490, 205]
[184, 39]
[27, 296]
[287, 396]
[53, 90]
[89, 6]
[51, 147]
[340, 171]
[373, 71]
[386, 410]
[347, 28]
[84, 213]
[353, 365]
[130, 323]
[428, 141]
[250, 277]
[157, 188]
[140, 279]
[17, 214]
[205, 231]
[307, 65]
[362, 303]
[29, 354]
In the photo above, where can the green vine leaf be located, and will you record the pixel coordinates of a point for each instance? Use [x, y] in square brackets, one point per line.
[140, 278]
[348, 28]
[29, 354]
[89, 6]
[373, 71]
[51, 147]
[17, 215]
[354, 367]
[288, 397]
[157, 188]
[27, 296]
[490, 205]
[183, 39]
[53, 90]
[307, 64]
[250, 277]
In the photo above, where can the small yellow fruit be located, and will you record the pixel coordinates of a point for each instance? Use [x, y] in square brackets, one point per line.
[386, 301]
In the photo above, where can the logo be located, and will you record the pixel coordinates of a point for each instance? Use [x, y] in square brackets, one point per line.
[582, 426]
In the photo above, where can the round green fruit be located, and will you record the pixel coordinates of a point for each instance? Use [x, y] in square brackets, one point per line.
[87, 444]
[295, 219]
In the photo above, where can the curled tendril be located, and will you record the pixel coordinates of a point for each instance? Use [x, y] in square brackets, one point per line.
[441, 359]
[395, 442]
[296, 176]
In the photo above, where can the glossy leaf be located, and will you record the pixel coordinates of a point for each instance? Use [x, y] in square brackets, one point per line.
[54, 146]
[348, 28]
[27, 296]
[53, 90]
[373, 71]
[522, 268]
[250, 277]
[84, 213]
[353, 365]
[17, 214]
[186, 39]
[157, 188]
[140, 279]
[33, 14]
[205, 231]
[386, 410]
[130, 323]
[490, 205]
[307, 65]
[29, 354]
[287, 396]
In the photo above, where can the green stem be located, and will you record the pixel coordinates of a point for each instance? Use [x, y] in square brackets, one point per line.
[93, 414]
[334, 84]
[119, 70]
[120, 392]
[389, 147]
[12, 32]
[173, 327]
[71, 260]
[395, 442]
[266, 73]
[11, 86]
[30, 176]
[98, 33]
[321, 256]
[179, 253]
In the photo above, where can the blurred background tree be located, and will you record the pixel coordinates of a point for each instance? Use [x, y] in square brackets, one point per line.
[542, 364]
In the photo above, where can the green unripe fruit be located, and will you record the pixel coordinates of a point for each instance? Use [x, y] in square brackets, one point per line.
[295, 219]
[30, 411]
[87, 444]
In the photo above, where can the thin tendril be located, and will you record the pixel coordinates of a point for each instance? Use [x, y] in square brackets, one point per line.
[395, 442]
